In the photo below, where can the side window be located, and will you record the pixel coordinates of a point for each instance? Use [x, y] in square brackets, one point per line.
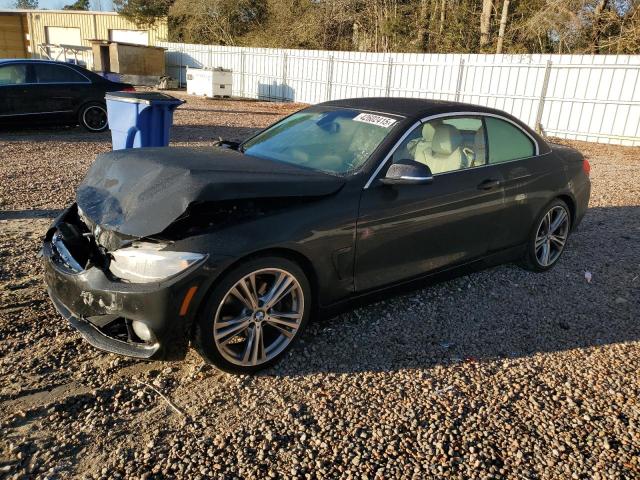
[14, 74]
[406, 150]
[49, 73]
[446, 145]
[507, 142]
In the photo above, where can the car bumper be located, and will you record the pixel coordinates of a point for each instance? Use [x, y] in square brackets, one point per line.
[582, 195]
[102, 308]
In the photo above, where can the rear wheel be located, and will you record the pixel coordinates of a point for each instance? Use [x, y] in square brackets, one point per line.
[254, 315]
[93, 117]
[549, 237]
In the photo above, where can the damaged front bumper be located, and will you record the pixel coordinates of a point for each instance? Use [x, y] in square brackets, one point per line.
[106, 310]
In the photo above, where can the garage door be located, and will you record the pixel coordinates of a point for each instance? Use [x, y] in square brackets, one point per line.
[139, 37]
[62, 36]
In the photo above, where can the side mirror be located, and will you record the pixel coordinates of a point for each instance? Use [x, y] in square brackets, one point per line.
[407, 172]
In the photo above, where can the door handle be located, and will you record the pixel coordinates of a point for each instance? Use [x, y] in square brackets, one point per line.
[489, 184]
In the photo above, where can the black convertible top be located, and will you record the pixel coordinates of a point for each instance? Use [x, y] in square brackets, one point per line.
[410, 107]
[418, 108]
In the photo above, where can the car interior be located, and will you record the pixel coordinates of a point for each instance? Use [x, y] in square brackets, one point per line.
[12, 75]
[330, 141]
[447, 145]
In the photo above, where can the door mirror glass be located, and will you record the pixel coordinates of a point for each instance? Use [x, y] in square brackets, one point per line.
[407, 172]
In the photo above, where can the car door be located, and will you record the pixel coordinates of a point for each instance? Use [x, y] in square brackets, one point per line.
[60, 88]
[528, 177]
[405, 231]
[16, 90]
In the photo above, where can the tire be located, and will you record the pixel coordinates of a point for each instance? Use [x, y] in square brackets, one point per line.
[93, 117]
[541, 239]
[226, 326]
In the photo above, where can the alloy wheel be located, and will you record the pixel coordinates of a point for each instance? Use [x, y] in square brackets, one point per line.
[551, 235]
[258, 317]
[95, 118]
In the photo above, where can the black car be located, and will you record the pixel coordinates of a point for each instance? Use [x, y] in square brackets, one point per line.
[233, 247]
[44, 91]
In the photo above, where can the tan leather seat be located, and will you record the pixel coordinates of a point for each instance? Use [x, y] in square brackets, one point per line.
[445, 153]
[419, 147]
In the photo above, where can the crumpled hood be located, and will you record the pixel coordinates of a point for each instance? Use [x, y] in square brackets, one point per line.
[140, 192]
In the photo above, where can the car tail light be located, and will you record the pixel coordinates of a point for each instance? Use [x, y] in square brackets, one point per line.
[128, 89]
[586, 166]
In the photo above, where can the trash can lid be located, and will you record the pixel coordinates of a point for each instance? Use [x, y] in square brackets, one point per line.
[142, 97]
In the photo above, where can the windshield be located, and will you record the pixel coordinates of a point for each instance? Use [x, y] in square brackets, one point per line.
[335, 141]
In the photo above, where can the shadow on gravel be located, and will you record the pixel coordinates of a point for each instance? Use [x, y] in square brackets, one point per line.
[223, 111]
[179, 133]
[25, 214]
[52, 133]
[190, 133]
[500, 312]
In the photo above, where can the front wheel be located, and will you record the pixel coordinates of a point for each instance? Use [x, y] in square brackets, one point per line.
[253, 315]
[549, 237]
[93, 117]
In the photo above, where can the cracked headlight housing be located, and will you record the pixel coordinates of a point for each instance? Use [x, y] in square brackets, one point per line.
[147, 262]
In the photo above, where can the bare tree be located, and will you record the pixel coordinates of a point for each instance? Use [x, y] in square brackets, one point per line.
[485, 22]
[442, 26]
[422, 39]
[597, 25]
[503, 25]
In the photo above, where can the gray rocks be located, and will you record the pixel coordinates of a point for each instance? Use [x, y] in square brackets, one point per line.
[500, 374]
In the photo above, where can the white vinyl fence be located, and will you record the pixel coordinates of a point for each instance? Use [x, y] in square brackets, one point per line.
[584, 97]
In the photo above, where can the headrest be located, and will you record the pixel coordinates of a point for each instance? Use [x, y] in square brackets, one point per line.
[445, 139]
[427, 132]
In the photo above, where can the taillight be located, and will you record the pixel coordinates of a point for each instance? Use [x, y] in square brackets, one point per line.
[586, 166]
[128, 89]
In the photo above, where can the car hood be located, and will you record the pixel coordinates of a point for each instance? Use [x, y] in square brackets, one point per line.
[140, 192]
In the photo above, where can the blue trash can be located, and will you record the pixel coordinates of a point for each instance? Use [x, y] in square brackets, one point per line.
[140, 119]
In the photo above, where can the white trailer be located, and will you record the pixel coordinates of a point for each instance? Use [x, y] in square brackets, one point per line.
[209, 82]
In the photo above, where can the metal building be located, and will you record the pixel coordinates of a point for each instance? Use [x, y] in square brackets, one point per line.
[66, 34]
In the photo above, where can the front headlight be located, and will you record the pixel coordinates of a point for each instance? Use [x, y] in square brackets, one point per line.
[147, 262]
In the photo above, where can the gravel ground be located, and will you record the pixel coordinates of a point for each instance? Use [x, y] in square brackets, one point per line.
[500, 374]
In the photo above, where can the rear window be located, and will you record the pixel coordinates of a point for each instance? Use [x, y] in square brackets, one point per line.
[507, 142]
[14, 74]
[48, 73]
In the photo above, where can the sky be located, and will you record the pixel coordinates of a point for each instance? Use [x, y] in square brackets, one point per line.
[104, 5]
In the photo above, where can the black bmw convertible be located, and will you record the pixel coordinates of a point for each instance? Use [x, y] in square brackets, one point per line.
[232, 248]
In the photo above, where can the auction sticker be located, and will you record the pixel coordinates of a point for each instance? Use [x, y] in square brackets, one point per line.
[379, 120]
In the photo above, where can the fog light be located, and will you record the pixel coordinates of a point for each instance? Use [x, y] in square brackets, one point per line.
[142, 331]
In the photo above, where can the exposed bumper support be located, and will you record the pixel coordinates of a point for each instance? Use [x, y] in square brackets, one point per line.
[91, 299]
[99, 340]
